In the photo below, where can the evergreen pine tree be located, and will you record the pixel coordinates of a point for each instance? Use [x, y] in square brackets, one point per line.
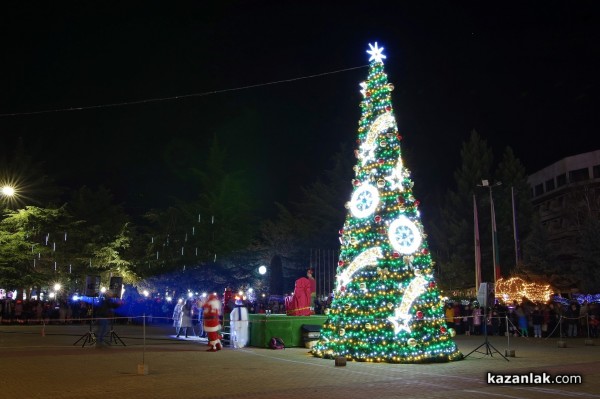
[386, 305]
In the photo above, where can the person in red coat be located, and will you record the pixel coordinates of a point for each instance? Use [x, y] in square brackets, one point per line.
[301, 301]
[212, 325]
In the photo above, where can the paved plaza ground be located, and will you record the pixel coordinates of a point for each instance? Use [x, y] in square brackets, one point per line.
[38, 362]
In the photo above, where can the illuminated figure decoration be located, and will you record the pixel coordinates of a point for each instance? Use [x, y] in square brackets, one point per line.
[386, 305]
[515, 289]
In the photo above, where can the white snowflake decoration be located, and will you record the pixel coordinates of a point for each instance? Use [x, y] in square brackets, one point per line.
[404, 235]
[364, 201]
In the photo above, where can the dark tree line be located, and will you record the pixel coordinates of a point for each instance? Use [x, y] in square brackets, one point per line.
[216, 237]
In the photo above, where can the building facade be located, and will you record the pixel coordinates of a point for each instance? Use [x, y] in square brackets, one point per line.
[564, 194]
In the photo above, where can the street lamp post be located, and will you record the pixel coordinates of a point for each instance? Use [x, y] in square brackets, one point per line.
[495, 260]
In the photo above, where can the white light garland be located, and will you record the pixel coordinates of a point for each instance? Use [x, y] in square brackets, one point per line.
[401, 316]
[396, 176]
[380, 125]
[366, 258]
[363, 89]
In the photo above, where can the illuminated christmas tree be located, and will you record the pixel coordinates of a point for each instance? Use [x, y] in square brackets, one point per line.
[386, 306]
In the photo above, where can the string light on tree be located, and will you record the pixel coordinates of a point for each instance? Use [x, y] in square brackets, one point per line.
[386, 305]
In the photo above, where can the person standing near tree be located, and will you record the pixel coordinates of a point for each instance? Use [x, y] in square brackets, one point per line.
[572, 316]
[186, 318]
[177, 314]
[212, 324]
[199, 308]
[104, 314]
[476, 320]
[537, 319]
[522, 321]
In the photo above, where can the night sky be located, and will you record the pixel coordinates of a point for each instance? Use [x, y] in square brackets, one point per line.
[523, 74]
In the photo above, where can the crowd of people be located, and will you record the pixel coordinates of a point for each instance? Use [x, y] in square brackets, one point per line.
[186, 315]
[128, 310]
[526, 319]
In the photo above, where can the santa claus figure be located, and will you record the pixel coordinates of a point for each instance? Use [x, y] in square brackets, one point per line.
[212, 325]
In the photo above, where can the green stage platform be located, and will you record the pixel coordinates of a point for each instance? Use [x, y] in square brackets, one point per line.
[288, 328]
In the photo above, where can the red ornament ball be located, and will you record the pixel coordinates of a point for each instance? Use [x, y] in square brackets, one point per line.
[356, 182]
[388, 108]
[400, 199]
[396, 254]
[399, 137]
[341, 231]
[341, 263]
[425, 251]
[419, 315]
[417, 203]
[377, 219]
[443, 330]
[381, 161]
[431, 284]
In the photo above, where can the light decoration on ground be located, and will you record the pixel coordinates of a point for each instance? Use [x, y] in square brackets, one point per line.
[580, 298]
[386, 305]
[515, 289]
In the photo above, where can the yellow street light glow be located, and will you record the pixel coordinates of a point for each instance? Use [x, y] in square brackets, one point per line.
[8, 191]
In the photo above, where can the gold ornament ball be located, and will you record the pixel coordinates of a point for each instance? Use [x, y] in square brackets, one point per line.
[412, 342]
[342, 332]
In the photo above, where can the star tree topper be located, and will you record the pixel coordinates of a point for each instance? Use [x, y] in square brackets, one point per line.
[376, 53]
